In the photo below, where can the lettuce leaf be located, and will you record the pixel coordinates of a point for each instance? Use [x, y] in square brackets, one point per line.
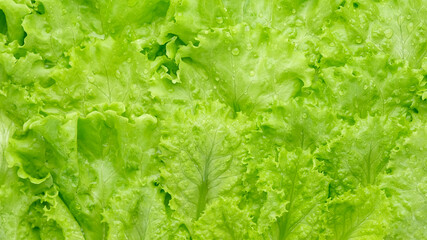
[204, 145]
[213, 119]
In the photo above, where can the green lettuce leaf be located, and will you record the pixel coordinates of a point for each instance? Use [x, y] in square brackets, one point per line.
[405, 184]
[360, 154]
[296, 193]
[85, 166]
[224, 220]
[265, 74]
[137, 211]
[213, 119]
[202, 151]
[363, 214]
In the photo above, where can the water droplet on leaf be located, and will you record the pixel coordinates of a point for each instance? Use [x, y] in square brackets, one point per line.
[410, 27]
[235, 51]
[388, 33]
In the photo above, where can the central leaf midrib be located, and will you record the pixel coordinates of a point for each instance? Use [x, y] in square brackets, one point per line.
[284, 220]
[204, 185]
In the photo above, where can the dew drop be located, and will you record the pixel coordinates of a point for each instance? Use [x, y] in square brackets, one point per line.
[235, 51]
[294, 11]
[388, 33]
[118, 73]
[252, 73]
[358, 40]
[410, 27]
[219, 20]
[249, 46]
[365, 87]
[275, 97]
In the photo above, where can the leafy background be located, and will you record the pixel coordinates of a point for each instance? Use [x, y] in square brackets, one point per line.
[213, 119]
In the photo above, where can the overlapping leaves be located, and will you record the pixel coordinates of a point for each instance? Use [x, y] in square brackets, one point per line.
[207, 119]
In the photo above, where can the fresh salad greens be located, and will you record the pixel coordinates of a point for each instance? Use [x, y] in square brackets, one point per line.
[213, 119]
